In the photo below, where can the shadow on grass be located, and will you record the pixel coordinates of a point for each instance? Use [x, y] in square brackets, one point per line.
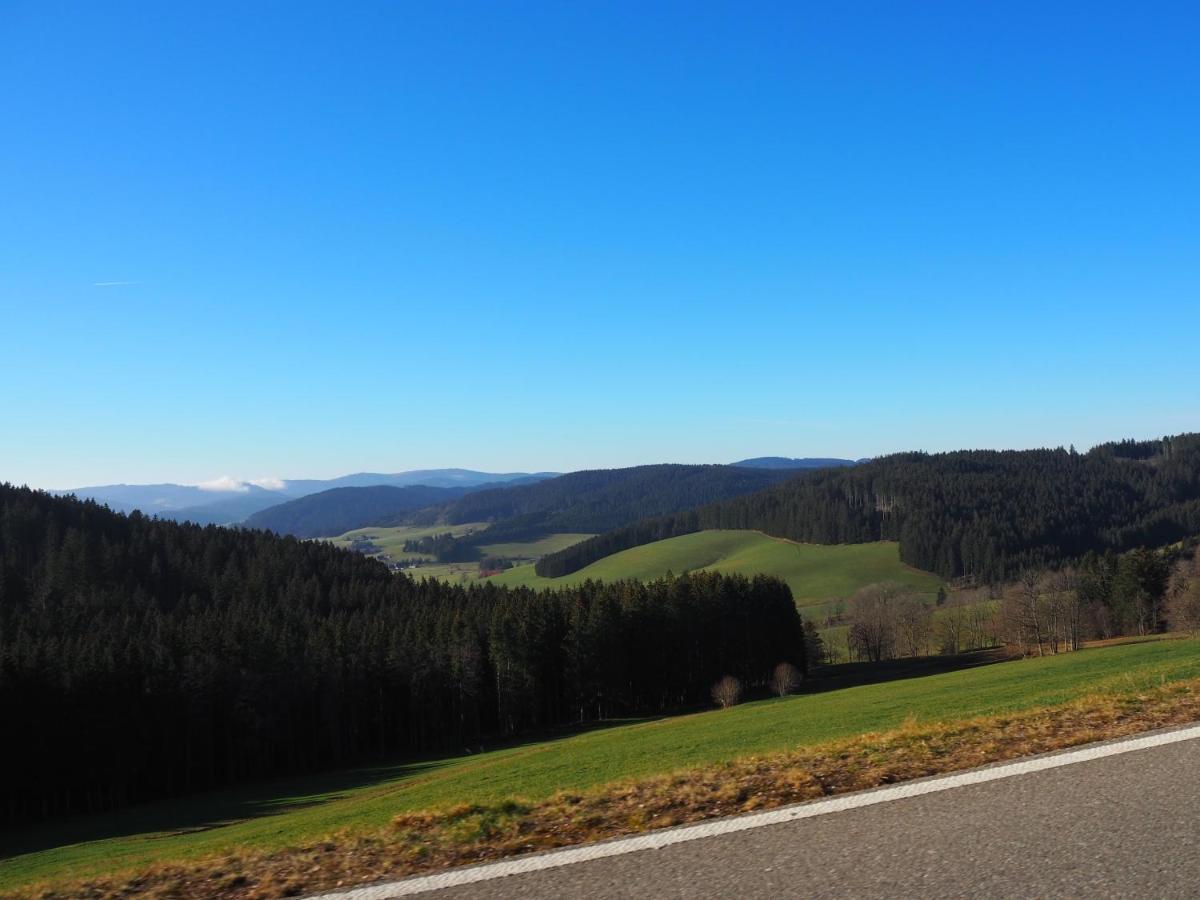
[844, 675]
[216, 809]
[219, 808]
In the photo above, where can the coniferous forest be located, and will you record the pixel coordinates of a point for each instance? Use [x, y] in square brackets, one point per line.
[979, 513]
[142, 658]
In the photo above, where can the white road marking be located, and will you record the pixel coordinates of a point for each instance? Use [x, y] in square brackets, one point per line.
[655, 840]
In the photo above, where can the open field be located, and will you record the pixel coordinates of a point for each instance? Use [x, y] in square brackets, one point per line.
[535, 549]
[816, 573]
[285, 814]
[525, 553]
[390, 541]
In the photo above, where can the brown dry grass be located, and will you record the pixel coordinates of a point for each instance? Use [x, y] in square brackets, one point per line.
[438, 839]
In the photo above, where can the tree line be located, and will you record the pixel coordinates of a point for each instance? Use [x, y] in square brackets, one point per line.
[983, 515]
[338, 510]
[1040, 612]
[142, 658]
[600, 499]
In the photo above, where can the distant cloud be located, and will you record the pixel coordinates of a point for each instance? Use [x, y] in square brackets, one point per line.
[113, 283]
[224, 484]
[269, 484]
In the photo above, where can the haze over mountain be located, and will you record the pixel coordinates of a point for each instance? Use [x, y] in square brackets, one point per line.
[225, 500]
[230, 501]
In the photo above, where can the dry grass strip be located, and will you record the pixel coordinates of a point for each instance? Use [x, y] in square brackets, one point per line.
[437, 839]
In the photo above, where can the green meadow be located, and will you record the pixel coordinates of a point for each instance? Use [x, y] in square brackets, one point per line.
[287, 813]
[818, 575]
[522, 552]
[390, 541]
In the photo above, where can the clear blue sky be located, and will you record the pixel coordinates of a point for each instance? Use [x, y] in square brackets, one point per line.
[301, 240]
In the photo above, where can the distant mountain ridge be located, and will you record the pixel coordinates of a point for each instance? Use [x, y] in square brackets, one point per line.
[587, 501]
[234, 501]
[600, 499]
[338, 510]
[787, 462]
[980, 514]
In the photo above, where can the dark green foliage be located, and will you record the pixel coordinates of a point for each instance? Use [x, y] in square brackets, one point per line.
[787, 462]
[142, 658]
[445, 547]
[980, 513]
[602, 499]
[1125, 593]
[336, 511]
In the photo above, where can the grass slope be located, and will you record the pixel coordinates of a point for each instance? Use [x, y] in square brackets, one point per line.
[815, 573]
[285, 814]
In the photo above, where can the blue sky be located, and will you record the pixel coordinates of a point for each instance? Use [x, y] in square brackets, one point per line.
[303, 240]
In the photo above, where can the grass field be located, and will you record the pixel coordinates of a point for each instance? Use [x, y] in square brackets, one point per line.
[286, 813]
[816, 573]
[390, 541]
[524, 553]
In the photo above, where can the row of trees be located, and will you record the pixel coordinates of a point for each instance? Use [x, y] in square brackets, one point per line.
[887, 620]
[444, 547]
[142, 658]
[981, 515]
[1040, 612]
[600, 499]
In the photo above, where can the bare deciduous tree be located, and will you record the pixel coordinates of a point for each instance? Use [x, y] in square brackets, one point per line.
[727, 692]
[785, 679]
[872, 618]
[914, 626]
[1043, 613]
[952, 624]
[1066, 611]
[1183, 596]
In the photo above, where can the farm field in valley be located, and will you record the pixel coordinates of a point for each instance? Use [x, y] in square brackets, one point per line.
[390, 540]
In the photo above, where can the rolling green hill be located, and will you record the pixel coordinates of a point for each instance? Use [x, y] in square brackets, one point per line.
[815, 573]
[986, 513]
[287, 813]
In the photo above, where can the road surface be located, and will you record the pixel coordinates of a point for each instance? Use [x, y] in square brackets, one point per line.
[1122, 825]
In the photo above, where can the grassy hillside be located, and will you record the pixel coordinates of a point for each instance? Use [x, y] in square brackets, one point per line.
[283, 814]
[984, 513]
[815, 573]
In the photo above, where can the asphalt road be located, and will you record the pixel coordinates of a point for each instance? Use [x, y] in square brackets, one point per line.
[1121, 826]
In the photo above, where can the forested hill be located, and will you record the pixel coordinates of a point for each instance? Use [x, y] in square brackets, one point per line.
[144, 658]
[787, 462]
[336, 511]
[602, 499]
[979, 512]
